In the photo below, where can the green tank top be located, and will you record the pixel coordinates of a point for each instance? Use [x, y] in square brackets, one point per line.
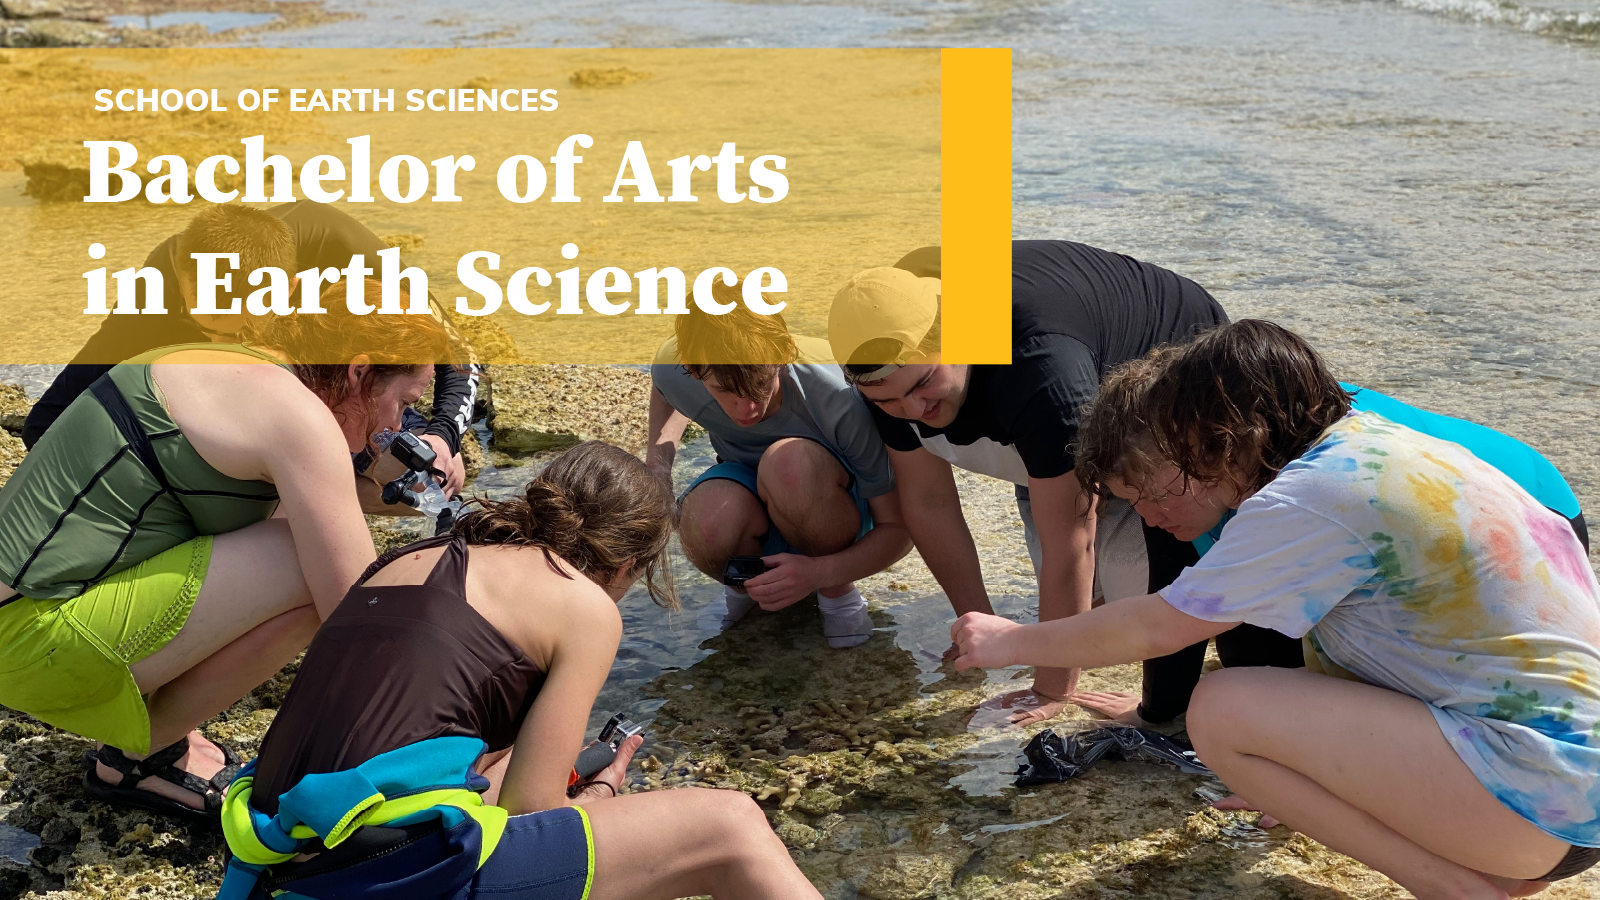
[84, 505]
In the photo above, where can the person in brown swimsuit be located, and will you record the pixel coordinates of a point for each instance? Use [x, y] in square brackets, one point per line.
[504, 631]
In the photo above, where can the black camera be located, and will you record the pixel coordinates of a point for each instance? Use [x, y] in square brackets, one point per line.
[418, 458]
[599, 755]
[741, 569]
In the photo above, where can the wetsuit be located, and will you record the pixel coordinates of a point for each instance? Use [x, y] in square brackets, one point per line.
[396, 670]
[324, 237]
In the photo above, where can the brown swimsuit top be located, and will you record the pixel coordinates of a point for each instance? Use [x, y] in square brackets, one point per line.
[394, 665]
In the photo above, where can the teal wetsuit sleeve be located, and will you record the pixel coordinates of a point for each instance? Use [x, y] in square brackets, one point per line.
[1518, 461]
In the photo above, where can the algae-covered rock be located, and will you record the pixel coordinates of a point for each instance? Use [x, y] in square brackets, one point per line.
[14, 406]
[52, 9]
[403, 242]
[58, 170]
[613, 77]
[11, 453]
[54, 33]
[549, 407]
[909, 876]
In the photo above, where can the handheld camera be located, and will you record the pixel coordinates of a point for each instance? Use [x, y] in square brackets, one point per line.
[741, 569]
[596, 757]
[418, 458]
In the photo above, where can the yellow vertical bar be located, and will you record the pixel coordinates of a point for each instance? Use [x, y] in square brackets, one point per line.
[975, 204]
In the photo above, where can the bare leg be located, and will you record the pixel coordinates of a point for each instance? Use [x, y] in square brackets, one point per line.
[690, 842]
[1367, 772]
[807, 493]
[252, 615]
[720, 519]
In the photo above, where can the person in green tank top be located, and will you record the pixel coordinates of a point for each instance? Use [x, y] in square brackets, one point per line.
[179, 533]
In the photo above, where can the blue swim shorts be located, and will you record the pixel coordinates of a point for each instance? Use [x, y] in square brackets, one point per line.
[545, 855]
[773, 542]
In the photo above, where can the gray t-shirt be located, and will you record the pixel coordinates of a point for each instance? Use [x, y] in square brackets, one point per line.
[818, 404]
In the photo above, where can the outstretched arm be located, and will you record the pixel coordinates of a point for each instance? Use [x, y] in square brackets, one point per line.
[666, 432]
[932, 509]
[1122, 632]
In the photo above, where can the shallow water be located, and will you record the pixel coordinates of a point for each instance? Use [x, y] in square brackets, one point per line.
[213, 21]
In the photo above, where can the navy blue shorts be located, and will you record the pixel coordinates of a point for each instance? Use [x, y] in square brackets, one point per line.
[773, 542]
[545, 855]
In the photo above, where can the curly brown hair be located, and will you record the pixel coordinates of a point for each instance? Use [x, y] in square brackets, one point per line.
[321, 347]
[597, 508]
[1236, 405]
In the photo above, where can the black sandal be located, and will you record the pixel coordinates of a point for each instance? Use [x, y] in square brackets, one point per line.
[160, 764]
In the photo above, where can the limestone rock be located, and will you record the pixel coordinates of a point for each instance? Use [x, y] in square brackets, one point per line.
[51, 9]
[405, 243]
[59, 170]
[14, 406]
[909, 876]
[549, 407]
[55, 33]
[588, 78]
[11, 454]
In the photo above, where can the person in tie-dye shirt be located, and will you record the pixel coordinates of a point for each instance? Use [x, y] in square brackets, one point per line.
[1460, 752]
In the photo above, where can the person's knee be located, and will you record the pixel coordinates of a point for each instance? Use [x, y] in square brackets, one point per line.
[740, 820]
[716, 518]
[1213, 708]
[798, 471]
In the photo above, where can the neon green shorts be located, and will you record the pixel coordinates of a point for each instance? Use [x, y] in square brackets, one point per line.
[65, 662]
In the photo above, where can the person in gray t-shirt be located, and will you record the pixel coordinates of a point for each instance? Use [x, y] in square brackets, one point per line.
[802, 478]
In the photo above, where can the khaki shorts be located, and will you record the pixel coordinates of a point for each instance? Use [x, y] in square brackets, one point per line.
[65, 662]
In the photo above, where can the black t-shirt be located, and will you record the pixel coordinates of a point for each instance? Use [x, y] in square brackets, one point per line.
[324, 237]
[1076, 314]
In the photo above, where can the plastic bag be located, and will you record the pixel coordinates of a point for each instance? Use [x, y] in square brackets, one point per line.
[1049, 757]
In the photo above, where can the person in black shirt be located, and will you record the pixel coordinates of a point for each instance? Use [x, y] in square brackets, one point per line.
[320, 236]
[1077, 312]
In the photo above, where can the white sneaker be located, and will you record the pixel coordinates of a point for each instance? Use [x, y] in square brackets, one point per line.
[739, 606]
[845, 622]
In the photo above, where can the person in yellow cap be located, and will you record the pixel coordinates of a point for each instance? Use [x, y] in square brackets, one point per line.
[1077, 312]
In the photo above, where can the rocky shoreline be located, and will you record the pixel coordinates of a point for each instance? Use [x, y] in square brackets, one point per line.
[871, 764]
[90, 23]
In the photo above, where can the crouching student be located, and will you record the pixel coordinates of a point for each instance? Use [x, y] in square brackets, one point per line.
[1458, 751]
[176, 536]
[425, 748]
[802, 478]
[1169, 681]
[1076, 313]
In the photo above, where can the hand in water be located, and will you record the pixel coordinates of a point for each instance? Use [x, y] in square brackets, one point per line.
[614, 775]
[983, 641]
[1238, 802]
[1114, 705]
[1016, 709]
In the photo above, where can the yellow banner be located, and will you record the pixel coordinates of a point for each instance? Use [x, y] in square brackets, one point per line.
[556, 205]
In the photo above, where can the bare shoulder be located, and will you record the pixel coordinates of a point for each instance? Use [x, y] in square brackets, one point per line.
[238, 412]
[536, 604]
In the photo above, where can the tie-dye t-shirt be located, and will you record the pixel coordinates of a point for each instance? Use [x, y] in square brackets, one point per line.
[1418, 567]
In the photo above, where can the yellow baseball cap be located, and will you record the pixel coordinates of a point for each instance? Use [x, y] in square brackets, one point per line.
[888, 308]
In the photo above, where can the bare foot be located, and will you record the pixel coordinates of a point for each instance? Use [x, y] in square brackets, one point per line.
[203, 760]
[1238, 802]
